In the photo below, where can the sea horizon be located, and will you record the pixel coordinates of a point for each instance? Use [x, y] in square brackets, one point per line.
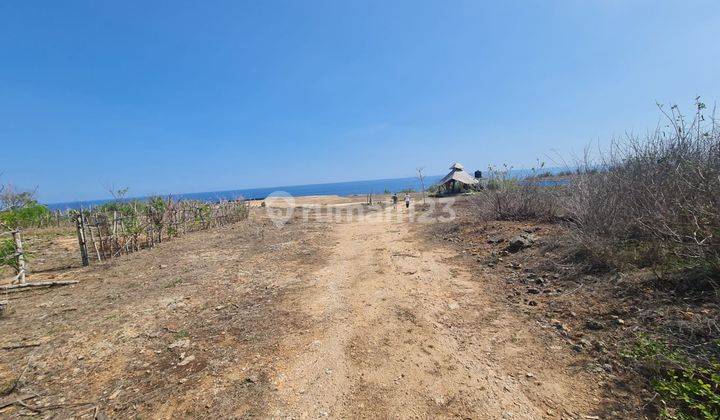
[345, 188]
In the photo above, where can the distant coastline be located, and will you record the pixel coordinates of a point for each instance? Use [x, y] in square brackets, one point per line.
[376, 186]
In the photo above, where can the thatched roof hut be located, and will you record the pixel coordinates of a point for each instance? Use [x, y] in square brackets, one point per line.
[457, 179]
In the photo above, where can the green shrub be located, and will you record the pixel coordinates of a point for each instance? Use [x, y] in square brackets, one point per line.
[31, 214]
[688, 389]
[7, 254]
[692, 392]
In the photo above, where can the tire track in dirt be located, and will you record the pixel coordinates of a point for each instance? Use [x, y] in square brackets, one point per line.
[400, 331]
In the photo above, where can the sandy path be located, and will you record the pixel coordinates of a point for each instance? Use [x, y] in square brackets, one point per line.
[401, 331]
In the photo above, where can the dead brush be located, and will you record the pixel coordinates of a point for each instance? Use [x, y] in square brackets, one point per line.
[656, 200]
[520, 200]
[651, 201]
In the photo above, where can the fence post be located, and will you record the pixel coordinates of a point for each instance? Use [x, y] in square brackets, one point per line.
[81, 239]
[20, 255]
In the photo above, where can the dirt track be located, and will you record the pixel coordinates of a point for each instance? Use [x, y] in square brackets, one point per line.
[400, 331]
[351, 319]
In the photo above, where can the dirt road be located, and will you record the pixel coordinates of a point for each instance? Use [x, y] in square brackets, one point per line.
[361, 318]
[401, 331]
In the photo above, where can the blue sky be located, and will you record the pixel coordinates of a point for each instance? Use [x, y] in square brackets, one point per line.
[183, 96]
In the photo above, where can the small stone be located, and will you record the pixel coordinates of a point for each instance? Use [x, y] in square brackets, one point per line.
[533, 291]
[495, 240]
[599, 345]
[186, 360]
[532, 303]
[529, 375]
[559, 325]
[180, 344]
[594, 325]
[453, 305]
[520, 242]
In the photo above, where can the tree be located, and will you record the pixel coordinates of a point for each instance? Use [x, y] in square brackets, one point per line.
[11, 198]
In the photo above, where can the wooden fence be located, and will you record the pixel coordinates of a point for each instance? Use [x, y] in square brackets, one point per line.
[129, 227]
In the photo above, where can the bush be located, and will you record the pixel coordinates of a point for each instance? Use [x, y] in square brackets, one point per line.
[506, 198]
[649, 202]
[660, 194]
[7, 254]
[30, 214]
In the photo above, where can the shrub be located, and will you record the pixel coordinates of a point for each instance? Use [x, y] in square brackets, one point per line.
[688, 389]
[30, 214]
[649, 202]
[7, 254]
[661, 193]
[506, 198]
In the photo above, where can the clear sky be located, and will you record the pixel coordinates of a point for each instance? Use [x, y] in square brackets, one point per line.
[184, 96]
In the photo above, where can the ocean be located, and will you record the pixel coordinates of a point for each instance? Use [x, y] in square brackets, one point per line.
[377, 186]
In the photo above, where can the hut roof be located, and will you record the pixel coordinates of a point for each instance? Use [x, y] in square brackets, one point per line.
[457, 174]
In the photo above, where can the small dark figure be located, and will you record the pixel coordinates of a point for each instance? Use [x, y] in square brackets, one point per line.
[394, 200]
[407, 200]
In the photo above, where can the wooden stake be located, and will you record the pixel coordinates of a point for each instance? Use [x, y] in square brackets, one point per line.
[20, 255]
[94, 242]
[81, 240]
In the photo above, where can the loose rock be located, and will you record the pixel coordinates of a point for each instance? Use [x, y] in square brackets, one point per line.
[592, 324]
[186, 360]
[520, 242]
